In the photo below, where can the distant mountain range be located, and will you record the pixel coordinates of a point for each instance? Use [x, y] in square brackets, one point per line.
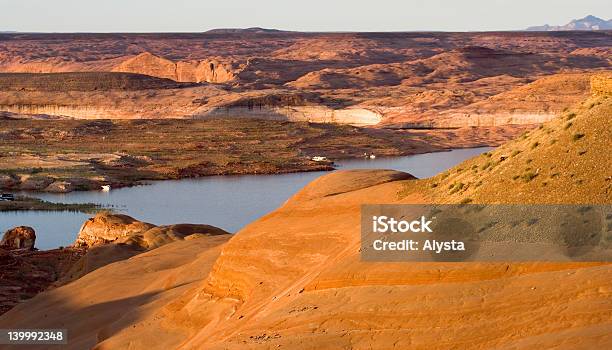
[586, 23]
[255, 30]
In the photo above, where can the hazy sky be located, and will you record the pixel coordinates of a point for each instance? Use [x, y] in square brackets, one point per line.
[306, 15]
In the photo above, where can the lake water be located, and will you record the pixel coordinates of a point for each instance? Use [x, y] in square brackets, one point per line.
[228, 202]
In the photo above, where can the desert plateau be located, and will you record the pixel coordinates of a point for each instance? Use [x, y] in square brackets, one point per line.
[205, 190]
[271, 107]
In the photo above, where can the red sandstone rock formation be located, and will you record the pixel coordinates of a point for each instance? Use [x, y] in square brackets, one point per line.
[210, 71]
[21, 237]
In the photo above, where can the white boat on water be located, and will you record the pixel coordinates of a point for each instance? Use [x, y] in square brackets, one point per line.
[106, 188]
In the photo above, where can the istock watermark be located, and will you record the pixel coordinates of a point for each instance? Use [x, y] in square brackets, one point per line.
[497, 232]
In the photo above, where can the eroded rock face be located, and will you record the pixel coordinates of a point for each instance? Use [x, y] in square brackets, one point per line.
[21, 237]
[211, 71]
[106, 227]
[123, 229]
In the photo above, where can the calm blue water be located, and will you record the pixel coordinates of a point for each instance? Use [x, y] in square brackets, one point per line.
[229, 202]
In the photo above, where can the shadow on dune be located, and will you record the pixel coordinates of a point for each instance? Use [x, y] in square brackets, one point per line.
[96, 322]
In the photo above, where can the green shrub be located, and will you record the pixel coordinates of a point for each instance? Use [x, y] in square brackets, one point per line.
[528, 176]
[456, 187]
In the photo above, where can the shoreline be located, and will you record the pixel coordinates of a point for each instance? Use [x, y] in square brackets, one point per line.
[26, 203]
[326, 166]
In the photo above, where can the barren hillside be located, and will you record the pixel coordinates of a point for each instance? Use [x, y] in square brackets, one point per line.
[396, 79]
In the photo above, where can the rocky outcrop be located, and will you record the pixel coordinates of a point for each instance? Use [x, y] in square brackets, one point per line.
[211, 71]
[106, 227]
[35, 183]
[43, 183]
[117, 228]
[25, 273]
[461, 120]
[21, 237]
[314, 114]
[69, 185]
[114, 237]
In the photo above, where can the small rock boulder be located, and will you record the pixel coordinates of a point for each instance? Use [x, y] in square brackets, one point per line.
[21, 237]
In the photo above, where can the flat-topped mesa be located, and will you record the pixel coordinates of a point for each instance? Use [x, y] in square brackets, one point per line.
[84, 82]
[117, 228]
[210, 71]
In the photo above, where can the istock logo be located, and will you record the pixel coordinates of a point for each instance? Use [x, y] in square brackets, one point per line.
[384, 224]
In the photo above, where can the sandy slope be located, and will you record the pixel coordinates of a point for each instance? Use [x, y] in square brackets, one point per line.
[104, 307]
[293, 279]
